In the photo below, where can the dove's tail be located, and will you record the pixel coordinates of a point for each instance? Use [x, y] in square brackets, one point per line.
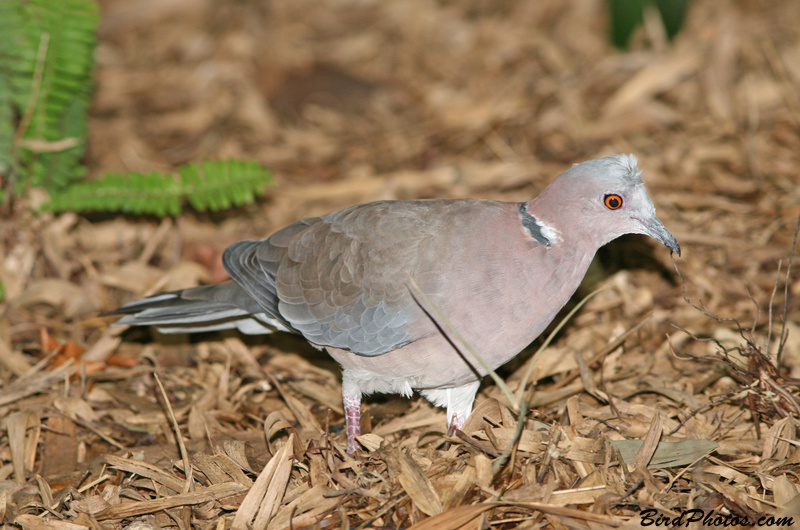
[206, 308]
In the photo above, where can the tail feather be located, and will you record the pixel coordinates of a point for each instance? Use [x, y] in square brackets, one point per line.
[206, 308]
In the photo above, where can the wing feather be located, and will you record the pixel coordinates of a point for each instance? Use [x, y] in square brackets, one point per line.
[341, 280]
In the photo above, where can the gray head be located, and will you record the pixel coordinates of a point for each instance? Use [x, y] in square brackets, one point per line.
[600, 200]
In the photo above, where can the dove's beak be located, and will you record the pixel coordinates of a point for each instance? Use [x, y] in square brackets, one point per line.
[654, 228]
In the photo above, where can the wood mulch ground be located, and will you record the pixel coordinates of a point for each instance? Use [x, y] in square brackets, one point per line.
[674, 389]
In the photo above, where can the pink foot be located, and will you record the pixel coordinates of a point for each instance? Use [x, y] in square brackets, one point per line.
[352, 415]
[456, 422]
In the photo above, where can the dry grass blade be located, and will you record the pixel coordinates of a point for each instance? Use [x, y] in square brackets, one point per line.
[132, 509]
[35, 381]
[235, 451]
[648, 448]
[105, 346]
[307, 509]
[264, 498]
[654, 78]
[784, 331]
[14, 361]
[667, 454]
[137, 467]
[503, 458]
[233, 469]
[415, 483]
[454, 518]
[21, 443]
[452, 497]
[209, 467]
[275, 423]
[298, 408]
[35, 522]
[570, 513]
[187, 465]
[785, 491]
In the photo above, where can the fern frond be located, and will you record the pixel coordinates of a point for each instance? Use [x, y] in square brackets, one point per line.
[11, 31]
[210, 185]
[7, 162]
[138, 193]
[51, 67]
[216, 185]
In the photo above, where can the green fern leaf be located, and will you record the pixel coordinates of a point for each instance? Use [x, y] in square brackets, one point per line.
[10, 29]
[217, 185]
[211, 185]
[51, 66]
[136, 193]
[7, 163]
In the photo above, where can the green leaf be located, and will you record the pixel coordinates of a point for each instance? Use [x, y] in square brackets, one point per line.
[673, 13]
[667, 454]
[48, 63]
[7, 162]
[209, 185]
[625, 16]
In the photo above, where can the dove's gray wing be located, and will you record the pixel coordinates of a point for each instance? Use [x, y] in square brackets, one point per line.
[342, 280]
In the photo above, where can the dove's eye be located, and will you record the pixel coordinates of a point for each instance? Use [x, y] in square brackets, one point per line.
[613, 201]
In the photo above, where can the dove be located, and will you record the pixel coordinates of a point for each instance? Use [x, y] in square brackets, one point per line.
[498, 271]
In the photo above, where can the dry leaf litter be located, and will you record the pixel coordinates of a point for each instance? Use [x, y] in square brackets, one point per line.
[643, 402]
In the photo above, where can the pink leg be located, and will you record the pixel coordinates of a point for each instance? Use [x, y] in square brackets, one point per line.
[352, 415]
[456, 422]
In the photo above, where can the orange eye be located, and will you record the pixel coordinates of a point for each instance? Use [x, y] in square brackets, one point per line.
[613, 201]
